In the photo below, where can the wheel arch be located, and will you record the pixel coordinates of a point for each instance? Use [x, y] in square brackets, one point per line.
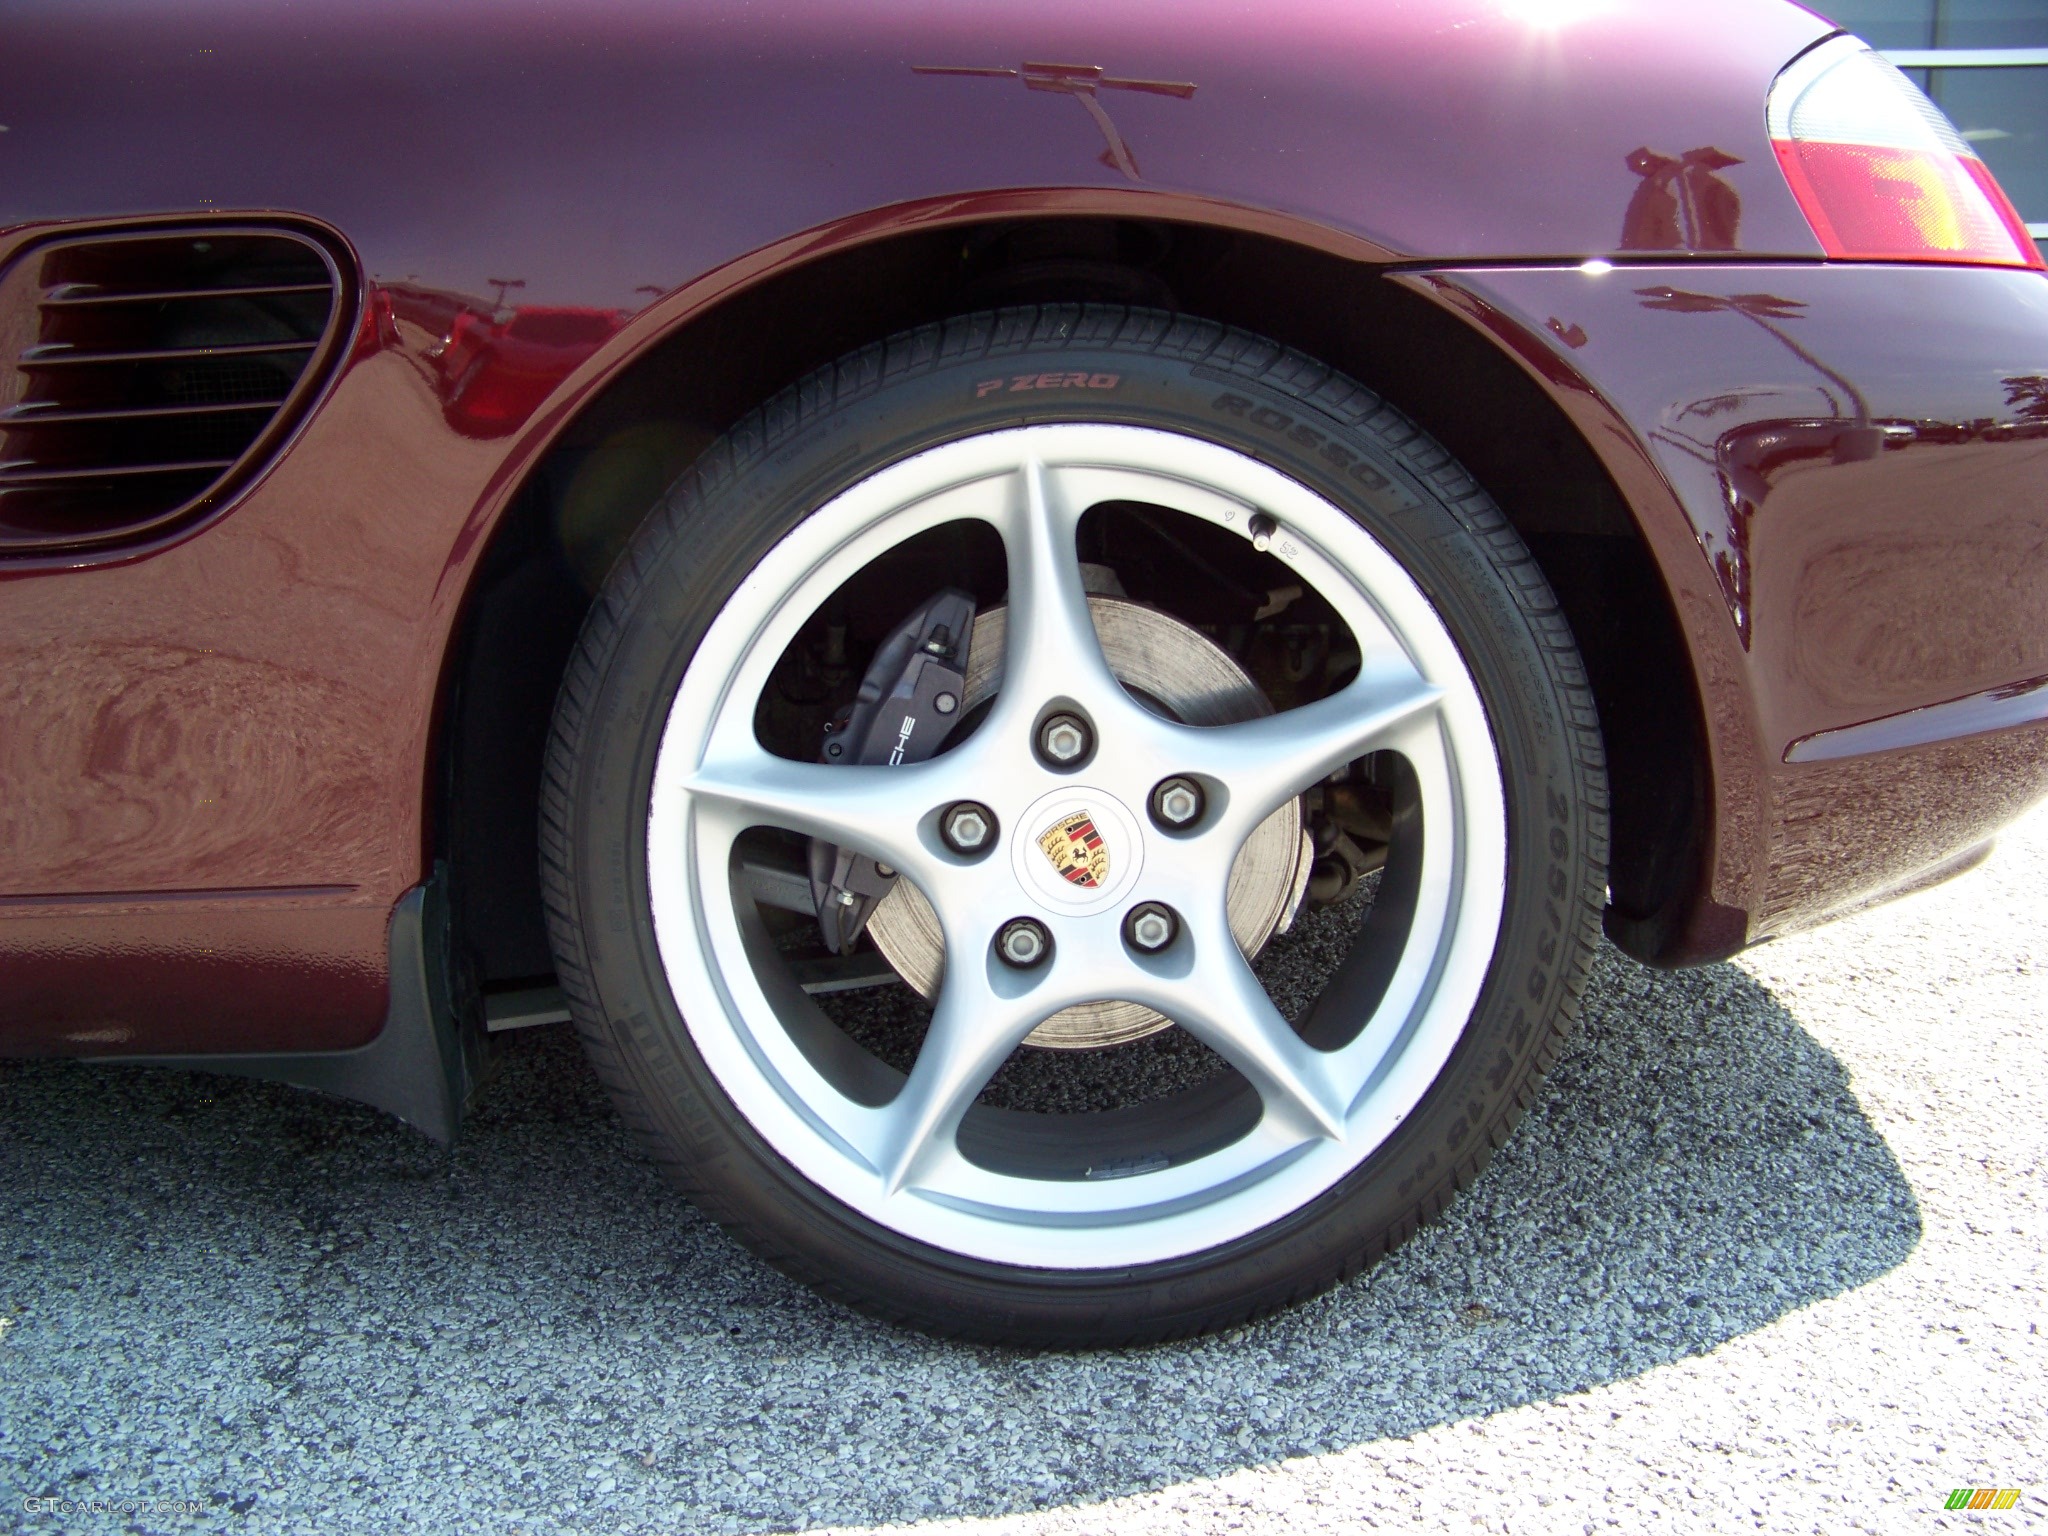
[599, 453]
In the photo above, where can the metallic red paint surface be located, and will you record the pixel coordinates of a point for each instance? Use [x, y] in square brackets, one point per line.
[249, 705]
[1859, 455]
[193, 971]
[603, 152]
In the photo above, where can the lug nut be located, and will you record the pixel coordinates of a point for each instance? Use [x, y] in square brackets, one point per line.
[1024, 942]
[1063, 740]
[968, 828]
[1150, 927]
[1176, 803]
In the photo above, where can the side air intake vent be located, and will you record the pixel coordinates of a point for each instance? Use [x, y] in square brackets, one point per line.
[145, 376]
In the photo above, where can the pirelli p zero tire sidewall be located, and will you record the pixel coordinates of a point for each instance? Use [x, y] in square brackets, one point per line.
[983, 373]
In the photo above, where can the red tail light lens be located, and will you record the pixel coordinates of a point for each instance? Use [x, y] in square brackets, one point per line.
[1880, 173]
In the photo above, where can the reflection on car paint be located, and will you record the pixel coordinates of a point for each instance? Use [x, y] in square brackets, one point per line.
[492, 364]
[1083, 82]
[1681, 204]
[1992, 709]
[1742, 458]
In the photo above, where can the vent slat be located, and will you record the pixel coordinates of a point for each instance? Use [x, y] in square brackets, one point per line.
[160, 368]
[46, 415]
[67, 298]
[63, 355]
[15, 477]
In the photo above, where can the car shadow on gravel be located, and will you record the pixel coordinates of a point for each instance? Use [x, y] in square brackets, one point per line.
[269, 1301]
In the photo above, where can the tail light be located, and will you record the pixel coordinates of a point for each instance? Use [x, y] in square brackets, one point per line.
[1880, 173]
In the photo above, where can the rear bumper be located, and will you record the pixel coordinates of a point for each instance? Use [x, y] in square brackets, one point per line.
[1842, 472]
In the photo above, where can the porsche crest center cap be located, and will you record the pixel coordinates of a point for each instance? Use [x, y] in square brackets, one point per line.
[1075, 846]
[1084, 850]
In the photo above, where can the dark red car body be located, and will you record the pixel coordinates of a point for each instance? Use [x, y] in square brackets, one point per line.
[225, 750]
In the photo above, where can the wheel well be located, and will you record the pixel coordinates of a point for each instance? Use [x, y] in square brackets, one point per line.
[551, 549]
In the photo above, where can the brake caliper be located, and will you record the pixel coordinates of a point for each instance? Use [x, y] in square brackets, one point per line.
[907, 702]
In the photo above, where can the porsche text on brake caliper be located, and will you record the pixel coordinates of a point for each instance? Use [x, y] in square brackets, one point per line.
[907, 703]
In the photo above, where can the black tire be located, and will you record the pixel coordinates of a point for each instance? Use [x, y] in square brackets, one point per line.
[924, 387]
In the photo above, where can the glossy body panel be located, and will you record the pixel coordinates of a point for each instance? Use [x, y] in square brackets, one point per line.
[598, 154]
[536, 196]
[245, 707]
[200, 971]
[1860, 457]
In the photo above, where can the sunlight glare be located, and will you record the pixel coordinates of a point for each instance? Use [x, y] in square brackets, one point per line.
[1551, 15]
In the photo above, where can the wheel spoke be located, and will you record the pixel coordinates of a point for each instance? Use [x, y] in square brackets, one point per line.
[874, 808]
[1223, 1005]
[1271, 759]
[974, 1029]
[1051, 647]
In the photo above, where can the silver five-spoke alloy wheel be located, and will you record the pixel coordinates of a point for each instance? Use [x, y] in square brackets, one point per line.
[896, 1155]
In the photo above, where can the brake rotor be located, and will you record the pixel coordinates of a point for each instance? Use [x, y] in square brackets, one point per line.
[1182, 673]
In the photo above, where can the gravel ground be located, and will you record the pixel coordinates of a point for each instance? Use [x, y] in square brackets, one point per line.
[1767, 1255]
